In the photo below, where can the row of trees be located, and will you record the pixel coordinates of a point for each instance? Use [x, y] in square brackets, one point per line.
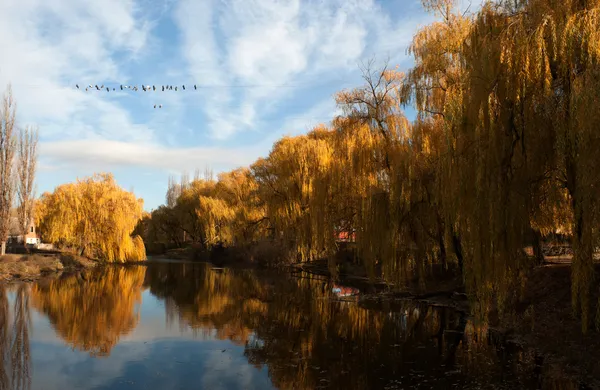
[502, 152]
[18, 160]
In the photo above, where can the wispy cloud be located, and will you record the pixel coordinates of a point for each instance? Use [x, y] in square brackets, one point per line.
[50, 46]
[266, 68]
[112, 154]
[278, 49]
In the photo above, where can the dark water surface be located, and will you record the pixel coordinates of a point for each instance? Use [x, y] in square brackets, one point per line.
[187, 326]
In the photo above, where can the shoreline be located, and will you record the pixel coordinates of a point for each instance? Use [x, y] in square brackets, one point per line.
[27, 268]
[542, 321]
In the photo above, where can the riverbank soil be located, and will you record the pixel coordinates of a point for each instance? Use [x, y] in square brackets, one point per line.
[544, 320]
[33, 267]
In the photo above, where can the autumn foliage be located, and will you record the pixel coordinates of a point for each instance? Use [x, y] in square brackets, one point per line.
[93, 314]
[502, 152]
[94, 216]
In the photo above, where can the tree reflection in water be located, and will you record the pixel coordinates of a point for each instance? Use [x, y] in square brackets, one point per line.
[295, 326]
[92, 311]
[4, 338]
[308, 339]
[20, 358]
[14, 340]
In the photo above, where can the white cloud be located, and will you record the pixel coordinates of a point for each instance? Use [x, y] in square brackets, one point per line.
[268, 46]
[49, 46]
[321, 112]
[97, 154]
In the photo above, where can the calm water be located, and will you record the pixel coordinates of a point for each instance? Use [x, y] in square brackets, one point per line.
[187, 326]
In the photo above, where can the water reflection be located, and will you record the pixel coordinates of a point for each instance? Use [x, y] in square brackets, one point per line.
[308, 339]
[92, 310]
[243, 323]
[14, 339]
[4, 332]
[20, 357]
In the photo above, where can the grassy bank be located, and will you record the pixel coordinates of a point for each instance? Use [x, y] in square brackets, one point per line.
[35, 266]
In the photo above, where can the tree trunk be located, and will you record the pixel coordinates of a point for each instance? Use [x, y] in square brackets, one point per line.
[443, 256]
[537, 247]
[457, 247]
[582, 267]
[3, 248]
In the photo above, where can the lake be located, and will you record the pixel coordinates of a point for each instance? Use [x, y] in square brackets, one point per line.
[187, 326]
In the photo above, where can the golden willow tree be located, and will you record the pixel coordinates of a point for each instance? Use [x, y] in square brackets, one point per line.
[513, 90]
[435, 86]
[550, 61]
[207, 212]
[398, 226]
[94, 216]
[293, 184]
[238, 189]
[531, 89]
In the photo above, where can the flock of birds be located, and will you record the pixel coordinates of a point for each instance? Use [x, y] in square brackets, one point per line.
[145, 88]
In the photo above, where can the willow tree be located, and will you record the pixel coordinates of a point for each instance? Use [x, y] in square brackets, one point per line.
[514, 88]
[239, 190]
[532, 71]
[186, 206]
[566, 51]
[291, 184]
[435, 85]
[215, 217]
[163, 227]
[95, 216]
[377, 140]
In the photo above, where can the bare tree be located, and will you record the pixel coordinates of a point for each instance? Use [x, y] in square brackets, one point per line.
[173, 192]
[208, 173]
[185, 180]
[26, 167]
[7, 153]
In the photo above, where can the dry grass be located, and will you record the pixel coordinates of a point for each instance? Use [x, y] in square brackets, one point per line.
[32, 267]
[28, 267]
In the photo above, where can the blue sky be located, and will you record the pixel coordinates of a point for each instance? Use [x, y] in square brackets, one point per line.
[266, 68]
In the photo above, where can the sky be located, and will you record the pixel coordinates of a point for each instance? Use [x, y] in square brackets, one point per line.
[264, 69]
